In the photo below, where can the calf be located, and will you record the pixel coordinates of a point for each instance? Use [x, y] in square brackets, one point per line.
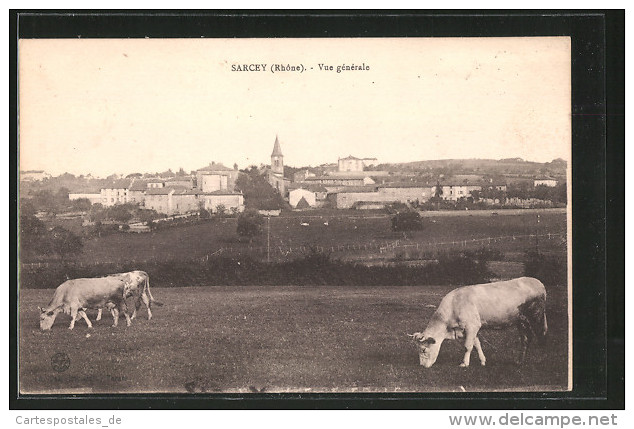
[463, 311]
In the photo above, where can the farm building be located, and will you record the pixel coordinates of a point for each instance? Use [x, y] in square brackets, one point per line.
[115, 192]
[179, 200]
[185, 182]
[230, 200]
[383, 194]
[545, 181]
[314, 195]
[453, 191]
[163, 200]
[136, 192]
[341, 180]
[406, 192]
[33, 175]
[216, 177]
[154, 183]
[300, 194]
[351, 163]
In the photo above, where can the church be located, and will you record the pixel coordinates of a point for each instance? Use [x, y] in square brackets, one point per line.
[276, 173]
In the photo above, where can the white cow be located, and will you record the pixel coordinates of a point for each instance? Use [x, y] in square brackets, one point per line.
[73, 296]
[137, 283]
[463, 311]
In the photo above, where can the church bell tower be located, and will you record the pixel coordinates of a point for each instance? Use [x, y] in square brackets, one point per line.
[277, 167]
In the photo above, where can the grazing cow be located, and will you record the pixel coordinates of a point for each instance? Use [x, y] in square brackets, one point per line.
[463, 311]
[136, 283]
[73, 296]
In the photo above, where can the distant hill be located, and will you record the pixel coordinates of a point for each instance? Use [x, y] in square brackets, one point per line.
[506, 167]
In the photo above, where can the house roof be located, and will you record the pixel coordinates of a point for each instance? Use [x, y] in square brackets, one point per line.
[139, 184]
[215, 166]
[471, 184]
[116, 184]
[302, 204]
[277, 150]
[337, 177]
[350, 157]
[308, 187]
[405, 185]
[216, 192]
[355, 189]
[159, 191]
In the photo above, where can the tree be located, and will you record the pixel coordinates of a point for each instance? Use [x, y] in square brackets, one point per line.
[407, 221]
[33, 235]
[438, 191]
[250, 224]
[258, 192]
[82, 204]
[146, 215]
[221, 210]
[64, 242]
[437, 198]
[120, 213]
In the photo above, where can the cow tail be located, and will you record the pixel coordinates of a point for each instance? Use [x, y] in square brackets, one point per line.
[147, 285]
[542, 337]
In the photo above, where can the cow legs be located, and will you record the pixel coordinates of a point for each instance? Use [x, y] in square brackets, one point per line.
[73, 317]
[478, 347]
[124, 308]
[82, 313]
[524, 328]
[115, 317]
[471, 334]
[148, 303]
[99, 315]
[128, 320]
[137, 305]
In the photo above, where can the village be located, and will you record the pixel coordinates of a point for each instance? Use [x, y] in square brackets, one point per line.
[351, 183]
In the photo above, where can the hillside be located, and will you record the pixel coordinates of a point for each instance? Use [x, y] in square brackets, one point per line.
[493, 167]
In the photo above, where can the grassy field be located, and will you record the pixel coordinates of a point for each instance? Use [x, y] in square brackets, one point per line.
[343, 229]
[279, 339]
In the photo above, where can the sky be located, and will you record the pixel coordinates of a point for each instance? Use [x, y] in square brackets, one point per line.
[104, 106]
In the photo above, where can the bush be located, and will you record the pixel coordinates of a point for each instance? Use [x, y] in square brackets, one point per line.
[407, 221]
[550, 270]
[250, 224]
[64, 243]
[396, 208]
[314, 268]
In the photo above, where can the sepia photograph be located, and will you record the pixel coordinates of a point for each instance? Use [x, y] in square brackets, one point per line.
[294, 215]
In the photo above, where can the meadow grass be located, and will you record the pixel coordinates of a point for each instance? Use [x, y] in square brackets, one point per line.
[280, 339]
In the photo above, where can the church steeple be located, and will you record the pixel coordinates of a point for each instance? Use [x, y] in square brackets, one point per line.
[276, 178]
[277, 150]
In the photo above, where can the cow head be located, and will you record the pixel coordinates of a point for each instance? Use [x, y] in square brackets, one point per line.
[47, 317]
[428, 348]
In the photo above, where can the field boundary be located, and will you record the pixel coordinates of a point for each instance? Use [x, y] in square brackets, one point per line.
[382, 248]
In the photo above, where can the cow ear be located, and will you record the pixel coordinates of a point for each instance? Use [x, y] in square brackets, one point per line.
[40, 309]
